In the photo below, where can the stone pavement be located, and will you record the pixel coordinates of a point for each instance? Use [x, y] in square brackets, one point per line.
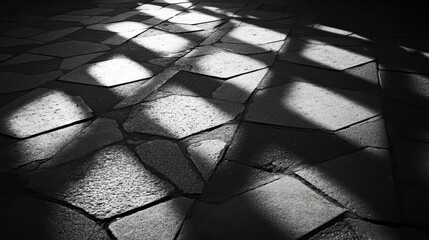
[182, 119]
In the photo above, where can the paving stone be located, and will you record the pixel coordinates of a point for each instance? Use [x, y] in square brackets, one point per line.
[92, 11]
[217, 5]
[161, 222]
[70, 48]
[261, 213]
[23, 32]
[14, 42]
[414, 205]
[250, 48]
[361, 181]
[180, 116]
[206, 155]
[41, 110]
[178, 28]
[118, 27]
[15, 82]
[23, 18]
[371, 133]
[85, 20]
[413, 88]
[165, 43]
[46, 220]
[53, 35]
[122, 37]
[224, 64]
[120, 17]
[279, 149]
[163, 62]
[223, 133]
[335, 41]
[328, 56]
[232, 179]
[195, 17]
[308, 106]
[167, 158]
[238, 89]
[74, 62]
[100, 133]
[110, 182]
[111, 72]
[263, 15]
[25, 58]
[254, 35]
[39, 147]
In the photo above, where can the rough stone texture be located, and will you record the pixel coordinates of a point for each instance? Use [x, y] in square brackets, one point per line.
[165, 43]
[279, 149]
[371, 133]
[84, 183]
[206, 155]
[41, 110]
[263, 15]
[178, 28]
[70, 48]
[74, 62]
[250, 48]
[118, 27]
[167, 158]
[180, 116]
[195, 17]
[261, 213]
[158, 222]
[308, 106]
[15, 82]
[254, 35]
[224, 64]
[362, 181]
[29, 218]
[111, 72]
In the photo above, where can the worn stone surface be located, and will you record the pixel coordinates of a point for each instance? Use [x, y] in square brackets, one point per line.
[167, 158]
[263, 15]
[254, 35]
[25, 58]
[206, 155]
[180, 116]
[371, 133]
[250, 48]
[41, 110]
[15, 82]
[70, 48]
[74, 62]
[118, 27]
[260, 213]
[278, 149]
[161, 221]
[195, 17]
[165, 43]
[111, 72]
[84, 183]
[53, 35]
[361, 181]
[309, 106]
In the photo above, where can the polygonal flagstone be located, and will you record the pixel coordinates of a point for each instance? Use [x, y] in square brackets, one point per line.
[23, 32]
[74, 62]
[70, 48]
[92, 11]
[111, 72]
[250, 48]
[167, 158]
[110, 182]
[254, 35]
[25, 58]
[160, 222]
[14, 82]
[85, 20]
[264, 15]
[278, 149]
[371, 133]
[224, 64]
[41, 110]
[13, 42]
[165, 43]
[262, 214]
[328, 56]
[178, 28]
[118, 27]
[361, 181]
[52, 35]
[195, 17]
[206, 155]
[180, 116]
[305, 105]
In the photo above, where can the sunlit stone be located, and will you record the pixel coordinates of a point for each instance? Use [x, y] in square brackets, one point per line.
[180, 116]
[124, 26]
[70, 48]
[205, 155]
[111, 72]
[164, 43]
[254, 35]
[195, 17]
[40, 111]
[264, 15]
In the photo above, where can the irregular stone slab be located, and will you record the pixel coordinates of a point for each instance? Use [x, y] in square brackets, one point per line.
[232, 179]
[53, 35]
[224, 64]
[46, 220]
[263, 15]
[118, 27]
[165, 43]
[177, 28]
[111, 72]
[411, 62]
[15, 82]
[206, 155]
[223, 133]
[74, 62]
[262, 214]
[92, 11]
[70, 48]
[361, 181]
[216, 36]
[371, 133]
[414, 207]
[97, 135]
[217, 5]
[308, 106]
[239, 89]
[254, 35]
[180, 116]
[41, 110]
[167, 158]
[250, 48]
[329, 57]
[101, 185]
[122, 37]
[39, 147]
[14, 42]
[336, 41]
[196, 17]
[85, 20]
[25, 58]
[146, 88]
[161, 222]
[23, 32]
[278, 149]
